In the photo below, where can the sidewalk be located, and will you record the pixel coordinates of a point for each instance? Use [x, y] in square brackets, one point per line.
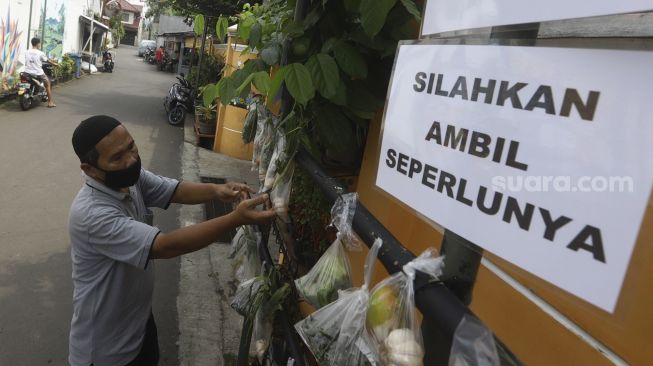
[209, 330]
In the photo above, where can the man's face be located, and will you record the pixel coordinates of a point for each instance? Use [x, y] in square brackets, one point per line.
[117, 151]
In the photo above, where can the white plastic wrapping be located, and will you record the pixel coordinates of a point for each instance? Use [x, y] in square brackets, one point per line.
[342, 217]
[473, 345]
[261, 334]
[248, 295]
[335, 334]
[331, 273]
[280, 194]
[391, 319]
[244, 251]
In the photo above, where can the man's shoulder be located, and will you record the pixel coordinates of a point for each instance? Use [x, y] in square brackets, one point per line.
[89, 206]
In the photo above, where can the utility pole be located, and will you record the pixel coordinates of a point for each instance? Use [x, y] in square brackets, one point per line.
[45, 16]
[29, 23]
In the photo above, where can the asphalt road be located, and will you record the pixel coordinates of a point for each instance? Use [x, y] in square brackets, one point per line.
[40, 176]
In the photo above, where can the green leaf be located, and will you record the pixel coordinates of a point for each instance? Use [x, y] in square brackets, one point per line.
[221, 28]
[313, 17]
[340, 97]
[299, 83]
[275, 84]
[411, 7]
[374, 13]
[209, 94]
[227, 89]
[198, 25]
[270, 54]
[364, 104]
[255, 35]
[245, 27]
[327, 46]
[325, 74]
[352, 6]
[245, 83]
[262, 81]
[350, 60]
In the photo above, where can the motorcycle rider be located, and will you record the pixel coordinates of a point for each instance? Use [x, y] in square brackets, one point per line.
[34, 59]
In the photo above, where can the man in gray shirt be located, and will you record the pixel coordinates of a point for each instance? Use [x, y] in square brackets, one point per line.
[112, 247]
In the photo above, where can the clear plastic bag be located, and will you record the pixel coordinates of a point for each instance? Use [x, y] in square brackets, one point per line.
[261, 334]
[278, 160]
[250, 125]
[473, 344]
[246, 258]
[268, 143]
[342, 217]
[331, 273]
[391, 320]
[335, 334]
[280, 194]
[248, 296]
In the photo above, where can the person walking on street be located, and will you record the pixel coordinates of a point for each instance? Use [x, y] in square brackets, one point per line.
[113, 248]
[34, 59]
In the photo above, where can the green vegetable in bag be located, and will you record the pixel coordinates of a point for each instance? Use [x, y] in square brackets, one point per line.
[249, 128]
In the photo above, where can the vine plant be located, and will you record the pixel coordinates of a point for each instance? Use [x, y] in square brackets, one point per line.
[339, 61]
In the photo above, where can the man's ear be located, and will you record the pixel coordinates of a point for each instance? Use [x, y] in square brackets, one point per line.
[91, 171]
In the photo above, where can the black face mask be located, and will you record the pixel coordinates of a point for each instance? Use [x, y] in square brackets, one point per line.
[117, 179]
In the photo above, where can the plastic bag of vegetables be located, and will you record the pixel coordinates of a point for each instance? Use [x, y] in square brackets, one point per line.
[391, 320]
[331, 273]
[248, 296]
[280, 194]
[278, 160]
[473, 344]
[261, 334]
[249, 127]
[245, 253]
[335, 334]
[267, 147]
[342, 217]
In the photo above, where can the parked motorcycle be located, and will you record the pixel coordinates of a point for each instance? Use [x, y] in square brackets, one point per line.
[31, 89]
[107, 60]
[179, 101]
[148, 55]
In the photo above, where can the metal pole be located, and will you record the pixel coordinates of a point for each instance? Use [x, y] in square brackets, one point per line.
[29, 23]
[45, 15]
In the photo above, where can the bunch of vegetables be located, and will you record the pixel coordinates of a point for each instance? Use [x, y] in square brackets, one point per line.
[335, 333]
[331, 273]
[244, 251]
[391, 319]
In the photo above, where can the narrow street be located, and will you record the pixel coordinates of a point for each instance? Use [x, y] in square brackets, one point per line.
[41, 175]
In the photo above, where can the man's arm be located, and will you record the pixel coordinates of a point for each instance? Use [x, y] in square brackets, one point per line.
[196, 237]
[190, 193]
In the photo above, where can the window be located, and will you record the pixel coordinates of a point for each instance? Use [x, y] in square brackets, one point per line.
[125, 17]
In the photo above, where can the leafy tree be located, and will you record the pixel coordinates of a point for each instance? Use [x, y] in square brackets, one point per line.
[117, 29]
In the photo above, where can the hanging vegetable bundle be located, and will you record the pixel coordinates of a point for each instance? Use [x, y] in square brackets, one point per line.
[335, 334]
[391, 316]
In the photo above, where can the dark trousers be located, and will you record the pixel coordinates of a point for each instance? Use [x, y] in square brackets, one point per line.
[149, 354]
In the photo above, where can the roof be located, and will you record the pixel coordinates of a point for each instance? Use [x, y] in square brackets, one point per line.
[126, 6]
[171, 24]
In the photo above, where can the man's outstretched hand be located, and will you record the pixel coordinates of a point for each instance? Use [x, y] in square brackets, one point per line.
[246, 212]
[230, 192]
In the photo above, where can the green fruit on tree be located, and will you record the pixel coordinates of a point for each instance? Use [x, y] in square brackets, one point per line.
[300, 46]
[382, 306]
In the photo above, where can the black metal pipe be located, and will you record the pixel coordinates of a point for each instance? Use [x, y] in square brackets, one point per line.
[434, 300]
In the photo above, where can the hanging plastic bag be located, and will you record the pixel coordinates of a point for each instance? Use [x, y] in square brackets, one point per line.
[261, 334]
[268, 143]
[264, 133]
[391, 316]
[280, 194]
[473, 344]
[278, 160]
[249, 127]
[246, 258]
[248, 296]
[342, 217]
[331, 273]
[335, 334]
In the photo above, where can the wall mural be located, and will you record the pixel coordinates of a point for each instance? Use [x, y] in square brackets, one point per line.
[55, 21]
[10, 46]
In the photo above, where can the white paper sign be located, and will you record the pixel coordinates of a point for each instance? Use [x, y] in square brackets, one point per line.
[449, 15]
[543, 156]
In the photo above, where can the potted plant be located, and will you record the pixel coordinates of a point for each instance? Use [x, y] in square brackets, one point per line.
[205, 119]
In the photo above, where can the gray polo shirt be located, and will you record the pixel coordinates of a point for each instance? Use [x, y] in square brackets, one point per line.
[113, 283]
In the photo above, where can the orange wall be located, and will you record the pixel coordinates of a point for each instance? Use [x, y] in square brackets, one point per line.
[535, 337]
